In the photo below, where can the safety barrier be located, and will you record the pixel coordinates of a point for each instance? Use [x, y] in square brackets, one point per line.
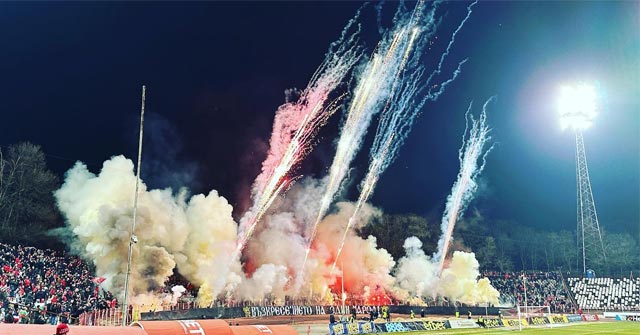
[297, 310]
[590, 317]
[183, 327]
[101, 317]
[345, 328]
[462, 323]
[352, 328]
[574, 318]
[558, 319]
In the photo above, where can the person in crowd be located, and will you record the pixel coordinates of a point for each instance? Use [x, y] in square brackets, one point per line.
[8, 316]
[422, 312]
[412, 315]
[59, 283]
[332, 319]
[543, 289]
[62, 329]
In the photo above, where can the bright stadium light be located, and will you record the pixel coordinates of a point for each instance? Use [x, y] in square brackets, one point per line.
[577, 106]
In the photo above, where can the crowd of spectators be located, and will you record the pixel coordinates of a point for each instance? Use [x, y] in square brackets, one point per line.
[45, 286]
[542, 289]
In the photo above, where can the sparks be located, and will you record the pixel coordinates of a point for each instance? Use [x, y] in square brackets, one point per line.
[472, 157]
[295, 127]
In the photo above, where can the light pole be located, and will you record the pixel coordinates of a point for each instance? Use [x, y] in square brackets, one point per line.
[578, 108]
[133, 239]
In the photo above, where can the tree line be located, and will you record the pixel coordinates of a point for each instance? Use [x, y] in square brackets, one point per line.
[27, 205]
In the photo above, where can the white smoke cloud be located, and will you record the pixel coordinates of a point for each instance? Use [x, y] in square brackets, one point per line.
[171, 232]
[416, 274]
[197, 236]
[459, 281]
[417, 277]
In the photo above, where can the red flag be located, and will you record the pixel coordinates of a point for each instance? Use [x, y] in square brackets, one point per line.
[98, 280]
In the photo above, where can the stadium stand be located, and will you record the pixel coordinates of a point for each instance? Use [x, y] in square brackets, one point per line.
[40, 286]
[606, 293]
[543, 289]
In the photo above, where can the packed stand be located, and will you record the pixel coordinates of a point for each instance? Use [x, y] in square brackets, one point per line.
[606, 293]
[542, 289]
[45, 286]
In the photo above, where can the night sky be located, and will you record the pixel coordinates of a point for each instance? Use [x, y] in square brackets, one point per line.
[70, 78]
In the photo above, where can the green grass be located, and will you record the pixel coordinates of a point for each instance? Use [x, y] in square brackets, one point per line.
[615, 327]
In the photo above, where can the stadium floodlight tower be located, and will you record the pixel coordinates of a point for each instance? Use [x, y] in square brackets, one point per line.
[577, 107]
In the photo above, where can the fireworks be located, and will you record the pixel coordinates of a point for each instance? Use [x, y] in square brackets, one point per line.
[375, 85]
[472, 157]
[202, 241]
[295, 127]
[404, 101]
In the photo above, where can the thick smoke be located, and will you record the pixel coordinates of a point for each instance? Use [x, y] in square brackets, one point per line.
[280, 242]
[418, 277]
[416, 273]
[197, 236]
[459, 281]
[193, 236]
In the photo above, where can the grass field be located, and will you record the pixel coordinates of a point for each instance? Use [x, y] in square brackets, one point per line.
[620, 327]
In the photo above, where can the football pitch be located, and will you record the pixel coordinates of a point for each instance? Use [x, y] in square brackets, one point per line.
[617, 327]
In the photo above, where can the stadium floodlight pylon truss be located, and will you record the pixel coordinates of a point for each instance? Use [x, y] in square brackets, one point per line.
[588, 227]
[578, 108]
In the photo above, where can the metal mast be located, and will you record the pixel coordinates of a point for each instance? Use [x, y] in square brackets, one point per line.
[588, 229]
[133, 239]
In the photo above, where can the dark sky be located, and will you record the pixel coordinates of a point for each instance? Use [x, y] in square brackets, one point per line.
[70, 77]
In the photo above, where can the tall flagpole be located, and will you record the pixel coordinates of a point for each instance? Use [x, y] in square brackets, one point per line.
[133, 239]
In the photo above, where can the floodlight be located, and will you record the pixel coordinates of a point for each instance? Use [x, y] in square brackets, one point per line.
[577, 106]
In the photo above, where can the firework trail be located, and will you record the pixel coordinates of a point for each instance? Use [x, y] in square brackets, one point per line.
[405, 100]
[296, 125]
[472, 156]
[374, 86]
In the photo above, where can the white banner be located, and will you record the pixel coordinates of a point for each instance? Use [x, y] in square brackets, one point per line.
[613, 314]
[255, 312]
[463, 323]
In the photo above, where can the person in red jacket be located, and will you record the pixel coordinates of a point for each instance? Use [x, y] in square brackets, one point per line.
[62, 329]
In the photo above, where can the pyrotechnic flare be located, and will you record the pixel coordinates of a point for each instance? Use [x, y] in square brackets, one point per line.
[418, 274]
[367, 188]
[295, 126]
[405, 100]
[374, 86]
[472, 156]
